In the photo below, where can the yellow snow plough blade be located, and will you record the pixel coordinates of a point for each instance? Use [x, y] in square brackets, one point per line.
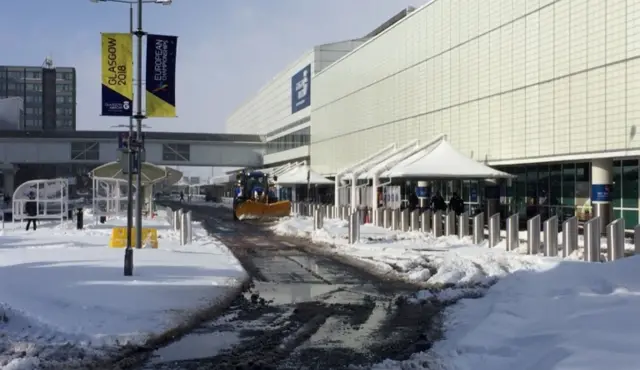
[252, 209]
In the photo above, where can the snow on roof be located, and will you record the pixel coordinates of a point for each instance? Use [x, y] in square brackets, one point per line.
[298, 176]
[442, 161]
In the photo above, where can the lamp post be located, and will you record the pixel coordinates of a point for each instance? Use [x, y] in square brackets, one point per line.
[139, 116]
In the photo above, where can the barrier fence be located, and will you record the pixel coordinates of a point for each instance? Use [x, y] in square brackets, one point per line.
[448, 224]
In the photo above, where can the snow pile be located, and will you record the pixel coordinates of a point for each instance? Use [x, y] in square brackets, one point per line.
[416, 256]
[63, 294]
[512, 311]
[575, 315]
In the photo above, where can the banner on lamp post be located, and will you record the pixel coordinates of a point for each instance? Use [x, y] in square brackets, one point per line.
[161, 76]
[116, 73]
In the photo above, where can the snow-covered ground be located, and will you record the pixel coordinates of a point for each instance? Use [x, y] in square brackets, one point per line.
[62, 290]
[536, 313]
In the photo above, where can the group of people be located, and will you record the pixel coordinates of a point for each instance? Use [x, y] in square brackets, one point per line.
[437, 203]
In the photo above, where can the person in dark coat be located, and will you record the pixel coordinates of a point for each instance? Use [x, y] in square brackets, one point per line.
[31, 209]
[456, 204]
[438, 203]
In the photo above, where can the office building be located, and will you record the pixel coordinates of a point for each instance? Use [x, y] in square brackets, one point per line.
[11, 113]
[49, 95]
[546, 90]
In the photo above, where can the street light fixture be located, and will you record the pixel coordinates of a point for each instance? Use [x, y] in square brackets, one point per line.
[139, 116]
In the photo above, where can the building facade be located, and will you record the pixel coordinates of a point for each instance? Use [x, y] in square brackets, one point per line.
[11, 113]
[281, 111]
[548, 90]
[49, 95]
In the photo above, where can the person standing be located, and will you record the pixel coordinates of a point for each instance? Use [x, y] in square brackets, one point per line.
[31, 209]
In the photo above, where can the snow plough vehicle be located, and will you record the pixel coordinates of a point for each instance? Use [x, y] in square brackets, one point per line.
[255, 197]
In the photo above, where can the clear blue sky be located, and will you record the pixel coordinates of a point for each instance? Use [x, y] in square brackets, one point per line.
[227, 49]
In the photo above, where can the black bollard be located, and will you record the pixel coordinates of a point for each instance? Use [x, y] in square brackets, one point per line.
[79, 219]
[103, 219]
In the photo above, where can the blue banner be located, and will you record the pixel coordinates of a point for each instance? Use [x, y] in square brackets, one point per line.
[601, 193]
[301, 89]
[161, 75]
[421, 192]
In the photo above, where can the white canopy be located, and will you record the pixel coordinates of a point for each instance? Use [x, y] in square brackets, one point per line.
[442, 161]
[298, 176]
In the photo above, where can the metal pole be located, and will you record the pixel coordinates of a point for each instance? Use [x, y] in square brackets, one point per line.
[128, 253]
[533, 235]
[139, 118]
[592, 235]
[569, 236]
[513, 228]
[615, 240]
[551, 237]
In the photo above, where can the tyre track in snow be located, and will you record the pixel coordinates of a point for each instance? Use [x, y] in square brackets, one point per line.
[302, 311]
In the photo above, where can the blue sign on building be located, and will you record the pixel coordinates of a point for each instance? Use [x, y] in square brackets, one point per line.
[301, 89]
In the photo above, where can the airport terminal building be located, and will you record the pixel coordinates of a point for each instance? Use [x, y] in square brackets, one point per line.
[546, 90]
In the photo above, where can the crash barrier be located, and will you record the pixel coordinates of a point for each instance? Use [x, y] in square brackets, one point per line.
[119, 237]
[440, 224]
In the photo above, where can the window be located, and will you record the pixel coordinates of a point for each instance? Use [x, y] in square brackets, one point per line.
[33, 87]
[16, 75]
[34, 98]
[33, 123]
[63, 87]
[59, 99]
[34, 110]
[176, 152]
[35, 75]
[85, 151]
[67, 76]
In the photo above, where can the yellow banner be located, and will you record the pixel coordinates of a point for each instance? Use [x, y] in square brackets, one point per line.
[117, 74]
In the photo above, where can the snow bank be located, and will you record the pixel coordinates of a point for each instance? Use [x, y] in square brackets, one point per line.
[512, 311]
[62, 288]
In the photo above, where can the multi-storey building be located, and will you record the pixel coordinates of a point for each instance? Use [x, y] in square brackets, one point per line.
[49, 95]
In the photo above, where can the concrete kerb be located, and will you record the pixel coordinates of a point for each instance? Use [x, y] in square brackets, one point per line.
[132, 356]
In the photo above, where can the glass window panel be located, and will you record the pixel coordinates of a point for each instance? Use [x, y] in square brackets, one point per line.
[630, 218]
[555, 184]
[532, 184]
[616, 194]
[629, 184]
[568, 184]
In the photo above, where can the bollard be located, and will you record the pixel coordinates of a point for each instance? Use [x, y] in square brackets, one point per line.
[436, 226]
[533, 235]
[415, 220]
[551, 237]
[636, 239]
[183, 228]
[569, 236]
[177, 219]
[354, 228]
[592, 234]
[363, 215]
[395, 219]
[615, 240]
[189, 227]
[79, 219]
[463, 225]
[386, 219]
[404, 220]
[450, 224]
[513, 229]
[343, 213]
[478, 228]
[425, 221]
[316, 219]
[494, 230]
[380, 217]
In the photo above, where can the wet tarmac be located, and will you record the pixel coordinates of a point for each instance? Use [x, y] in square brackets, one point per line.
[302, 311]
